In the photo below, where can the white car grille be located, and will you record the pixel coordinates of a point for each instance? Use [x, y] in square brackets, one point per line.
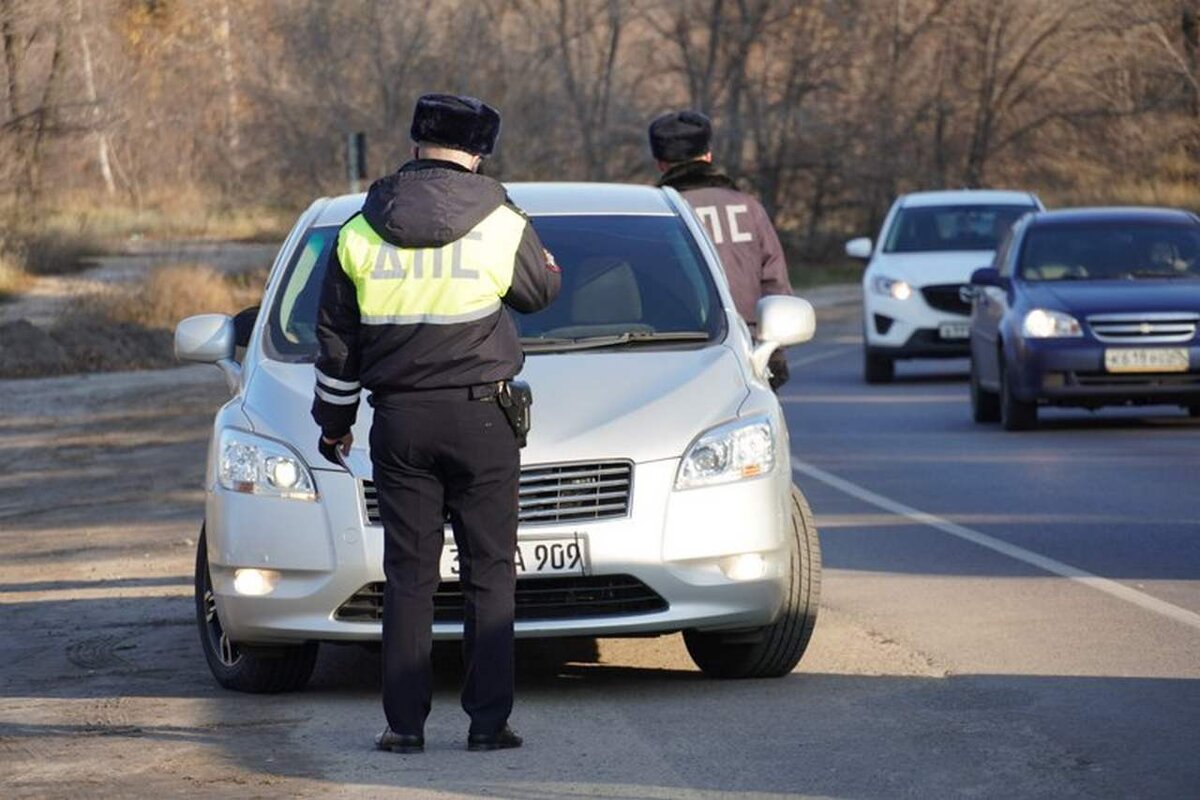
[558, 492]
[1144, 328]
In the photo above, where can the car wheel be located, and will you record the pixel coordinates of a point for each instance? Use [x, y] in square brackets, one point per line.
[985, 405]
[1015, 414]
[285, 669]
[877, 368]
[774, 650]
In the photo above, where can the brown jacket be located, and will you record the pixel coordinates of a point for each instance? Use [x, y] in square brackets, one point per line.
[739, 227]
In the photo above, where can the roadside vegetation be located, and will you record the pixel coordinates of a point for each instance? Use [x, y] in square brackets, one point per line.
[127, 325]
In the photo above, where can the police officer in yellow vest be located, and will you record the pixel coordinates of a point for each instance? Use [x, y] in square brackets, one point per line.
[415, 309]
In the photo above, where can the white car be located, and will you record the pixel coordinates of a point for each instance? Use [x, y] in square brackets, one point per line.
[914, 305]
[656, 489]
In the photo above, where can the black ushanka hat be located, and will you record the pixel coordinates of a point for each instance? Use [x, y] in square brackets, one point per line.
[460, 122]
[680, 136]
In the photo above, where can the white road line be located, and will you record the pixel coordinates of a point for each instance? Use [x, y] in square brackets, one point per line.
[1109, 587]
[815, 357]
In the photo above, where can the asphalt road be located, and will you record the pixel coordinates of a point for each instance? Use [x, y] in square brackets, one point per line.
[1003, 615]
[1054, 575]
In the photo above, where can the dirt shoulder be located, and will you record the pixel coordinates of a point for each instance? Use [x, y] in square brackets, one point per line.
[104, 690]
[119, 314]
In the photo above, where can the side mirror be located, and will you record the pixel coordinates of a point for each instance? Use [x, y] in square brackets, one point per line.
[782, 321]
[988, 276]
[209, 339]
[859, 248]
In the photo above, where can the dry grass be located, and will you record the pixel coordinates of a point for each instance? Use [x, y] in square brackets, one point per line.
[171, 293]
[175, 215]
[13, 277]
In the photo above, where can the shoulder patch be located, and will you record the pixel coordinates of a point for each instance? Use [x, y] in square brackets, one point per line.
[551, 264]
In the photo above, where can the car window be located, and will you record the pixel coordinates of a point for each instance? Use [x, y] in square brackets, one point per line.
[1108, 251]
[293, 320]
[946, 228]
[621, 274]
[624, 274]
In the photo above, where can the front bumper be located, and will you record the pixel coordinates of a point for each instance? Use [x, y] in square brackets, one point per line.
[910, 328]
[672, 542]
[1071, 372]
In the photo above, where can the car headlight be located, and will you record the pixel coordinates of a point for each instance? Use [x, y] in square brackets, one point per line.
[1041, 323]
[892, 287]
[256, 465]
[730, 452]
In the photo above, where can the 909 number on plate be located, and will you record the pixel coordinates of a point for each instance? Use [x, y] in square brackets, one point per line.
[560, 556]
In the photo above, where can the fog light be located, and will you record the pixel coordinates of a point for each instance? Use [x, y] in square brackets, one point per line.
[745, 567]
[255, 582]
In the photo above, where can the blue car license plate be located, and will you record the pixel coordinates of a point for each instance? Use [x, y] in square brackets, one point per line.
[1146, 359]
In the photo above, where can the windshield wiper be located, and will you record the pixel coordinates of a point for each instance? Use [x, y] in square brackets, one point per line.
[536, 344]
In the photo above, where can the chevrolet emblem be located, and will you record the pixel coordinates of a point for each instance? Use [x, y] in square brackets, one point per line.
[1145, 328]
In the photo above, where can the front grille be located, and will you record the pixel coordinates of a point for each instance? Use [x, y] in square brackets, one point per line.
[557, 492]
[1144, 328]
[566, 597]
[946, 297]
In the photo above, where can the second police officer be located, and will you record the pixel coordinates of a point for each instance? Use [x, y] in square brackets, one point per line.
[681, 142]
[415, 309]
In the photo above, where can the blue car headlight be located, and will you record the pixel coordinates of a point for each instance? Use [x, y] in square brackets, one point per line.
[253, 464]
[1042, 323]
[731, 452]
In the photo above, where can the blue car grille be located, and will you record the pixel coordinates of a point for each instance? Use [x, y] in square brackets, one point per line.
[1145, 328]
[552, 493]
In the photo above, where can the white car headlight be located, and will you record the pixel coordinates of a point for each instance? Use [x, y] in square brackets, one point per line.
[892, 287]
[256, 465]
[1041, 323]
[730, 452]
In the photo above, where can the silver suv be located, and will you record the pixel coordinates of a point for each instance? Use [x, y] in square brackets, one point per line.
[655, 494]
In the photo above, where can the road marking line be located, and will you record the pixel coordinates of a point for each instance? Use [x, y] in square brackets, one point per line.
[800, 362]
[1106, 585]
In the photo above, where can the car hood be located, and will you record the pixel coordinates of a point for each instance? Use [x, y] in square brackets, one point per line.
[929, 269]
[638, 405]
[1101, 297]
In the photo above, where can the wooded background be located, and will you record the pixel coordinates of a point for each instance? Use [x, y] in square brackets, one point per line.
[825, 108]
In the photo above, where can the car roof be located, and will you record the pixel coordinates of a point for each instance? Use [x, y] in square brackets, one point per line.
[544, 199]
[968, 197]
[1113, 215]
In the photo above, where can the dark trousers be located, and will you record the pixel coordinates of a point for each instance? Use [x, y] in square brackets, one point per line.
[435, 453]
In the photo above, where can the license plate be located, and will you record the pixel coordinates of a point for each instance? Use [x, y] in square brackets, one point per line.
[566, 555]
[1146, 359]
[954, 330]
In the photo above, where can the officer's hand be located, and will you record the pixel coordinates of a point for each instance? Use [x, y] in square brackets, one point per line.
[329, 447]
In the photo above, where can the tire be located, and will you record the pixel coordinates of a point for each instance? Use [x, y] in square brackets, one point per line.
[1193, 410]
[1015, 414]
[877, 368]
[985, 405]
[280, 669]
[774, 650]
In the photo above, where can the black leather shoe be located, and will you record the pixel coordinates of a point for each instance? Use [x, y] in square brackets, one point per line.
[400, 742]
[503, 739]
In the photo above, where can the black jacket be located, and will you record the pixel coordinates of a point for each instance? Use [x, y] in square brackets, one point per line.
[425, 204]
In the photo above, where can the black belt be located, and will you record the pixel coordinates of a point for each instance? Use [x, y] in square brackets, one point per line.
[481, 392]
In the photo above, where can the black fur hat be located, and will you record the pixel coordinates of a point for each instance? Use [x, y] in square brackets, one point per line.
[680, 136]
[463, 123]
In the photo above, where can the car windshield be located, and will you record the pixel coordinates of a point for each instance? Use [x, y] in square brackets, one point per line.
[1107, 251]
[926, 229]
[627, 281]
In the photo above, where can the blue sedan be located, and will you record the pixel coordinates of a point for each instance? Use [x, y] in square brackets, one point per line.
[1087, 307]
